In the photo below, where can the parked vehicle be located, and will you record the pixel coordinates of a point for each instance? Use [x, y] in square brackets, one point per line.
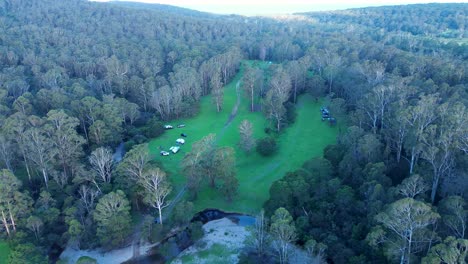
[174, 149]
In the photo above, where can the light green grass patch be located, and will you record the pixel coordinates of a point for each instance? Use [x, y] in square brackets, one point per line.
[86, 260]
[304, 139]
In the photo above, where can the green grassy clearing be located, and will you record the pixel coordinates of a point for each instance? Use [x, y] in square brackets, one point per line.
[4, 252]
[305, 139]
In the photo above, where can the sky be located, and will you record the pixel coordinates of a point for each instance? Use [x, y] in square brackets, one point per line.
[265, 7]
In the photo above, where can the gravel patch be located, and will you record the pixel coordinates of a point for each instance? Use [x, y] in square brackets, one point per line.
[222, 233]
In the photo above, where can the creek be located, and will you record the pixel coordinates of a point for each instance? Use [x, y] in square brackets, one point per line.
[173, 246]
[119, 152]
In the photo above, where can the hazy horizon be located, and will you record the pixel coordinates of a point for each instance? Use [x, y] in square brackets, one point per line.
[264, 7]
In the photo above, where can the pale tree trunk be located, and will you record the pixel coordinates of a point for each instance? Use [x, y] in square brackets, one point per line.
[252, 99]
[46, 180]
[5, 223]
[160, 214]
[402, 258]
[26, 164]
[410, 240]
[12, 220]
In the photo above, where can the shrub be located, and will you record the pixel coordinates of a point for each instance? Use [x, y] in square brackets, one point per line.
[86, 260]
[153, 128]
[290, 113]
[196, 231]
[267, 146]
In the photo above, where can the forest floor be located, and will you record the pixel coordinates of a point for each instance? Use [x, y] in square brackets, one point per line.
[301, 141]
[4, 252]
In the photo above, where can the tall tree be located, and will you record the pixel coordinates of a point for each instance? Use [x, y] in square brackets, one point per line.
[192, 162]
[7, 153]
[135, 161]
[439, 143]
[455, 215]
[34, 224]
[225, 169]
[247, 142]
[41, 151]
[419, 117]
[16, 127]
[406, 220]
[112, 215]
[250, 83]
[280, 87]
[451, 251]
[13, 203]
[61, 129]
[157, 188]
[217, 91]
[259, 239]
[283, 233]
[412, 186]
[102, 162]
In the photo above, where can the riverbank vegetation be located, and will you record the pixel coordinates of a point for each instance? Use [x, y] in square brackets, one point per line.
[359, 115]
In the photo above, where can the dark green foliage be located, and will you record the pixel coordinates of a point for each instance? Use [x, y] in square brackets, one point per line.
[290, 113]
[196, 230]
[182, 213]
[27, 253]
[86, 260]
[154, 128]
[77, 75]
[267, 146]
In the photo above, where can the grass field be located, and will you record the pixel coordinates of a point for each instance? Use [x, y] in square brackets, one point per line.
[4, 252]
[305, 139]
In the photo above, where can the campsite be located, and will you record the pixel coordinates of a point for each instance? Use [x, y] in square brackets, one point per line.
[306, 138]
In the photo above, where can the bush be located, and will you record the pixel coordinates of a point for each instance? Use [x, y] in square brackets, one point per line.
[290, 113]
[267, 146]
[154, 128]
[86, 260]
[196, 231]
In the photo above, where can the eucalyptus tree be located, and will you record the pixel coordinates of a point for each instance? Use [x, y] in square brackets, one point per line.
[41, 151]
[283, 233]
[280, 88]
[112, 215]
[251, 82]
[14, 205]
[403, 228]
[61, 129]
[15, 128]
[157, 188]
[217, 91]
[454, 210]
[102, 163]
[247, 141]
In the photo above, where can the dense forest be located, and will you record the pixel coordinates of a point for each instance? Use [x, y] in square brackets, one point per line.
[77, 78]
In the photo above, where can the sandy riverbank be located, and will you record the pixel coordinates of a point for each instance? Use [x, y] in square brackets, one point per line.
[222, 237]
[71, 255]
